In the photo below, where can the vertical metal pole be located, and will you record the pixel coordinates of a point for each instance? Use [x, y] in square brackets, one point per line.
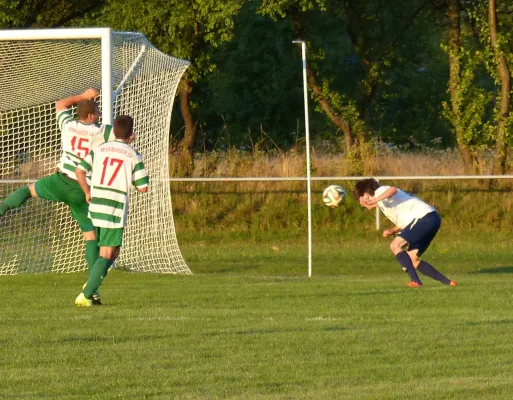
[307, 140]
[107, 100]
[377, 217]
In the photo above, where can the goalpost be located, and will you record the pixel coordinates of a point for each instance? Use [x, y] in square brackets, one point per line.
[38, 67]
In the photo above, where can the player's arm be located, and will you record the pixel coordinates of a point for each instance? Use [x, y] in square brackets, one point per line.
[390, 232]
[140, 178]
[390, 192]
[81, 178]
[81, 170]
[365, 202]
[67, 102]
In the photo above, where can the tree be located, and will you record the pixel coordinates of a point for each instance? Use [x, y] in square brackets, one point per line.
[302, 13]
[491, 23]
[254, 98]
[469, 102]
[454, 50]
[189, 29]
[43, 13]
[373, 29]
[498, 44]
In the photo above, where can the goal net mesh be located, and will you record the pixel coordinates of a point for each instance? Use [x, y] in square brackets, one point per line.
[41, 236]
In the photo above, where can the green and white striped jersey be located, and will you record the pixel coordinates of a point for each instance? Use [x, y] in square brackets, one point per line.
[114, 167]
[78, 139]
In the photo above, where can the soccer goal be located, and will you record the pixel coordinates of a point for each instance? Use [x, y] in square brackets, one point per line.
[38, 67]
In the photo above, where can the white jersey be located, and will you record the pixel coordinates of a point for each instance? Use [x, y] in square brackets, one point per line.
[402, 208]
[114, 167]
[78, 139]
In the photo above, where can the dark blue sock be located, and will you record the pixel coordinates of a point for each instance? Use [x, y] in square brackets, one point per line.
[428, 270]
[404, 259]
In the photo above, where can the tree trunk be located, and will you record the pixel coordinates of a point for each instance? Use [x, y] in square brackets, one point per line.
[372, 83]
[501, 151]
[354, 20]
[337, 120]
[325, 104]
[455, 81]
[191, 127]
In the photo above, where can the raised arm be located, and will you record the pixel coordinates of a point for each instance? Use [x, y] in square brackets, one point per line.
[365, 203]
[66, 103]
[390, 192]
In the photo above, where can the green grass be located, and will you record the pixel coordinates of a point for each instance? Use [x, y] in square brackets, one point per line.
[249, 324]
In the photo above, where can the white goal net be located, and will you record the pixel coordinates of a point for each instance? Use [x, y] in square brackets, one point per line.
[41, 236]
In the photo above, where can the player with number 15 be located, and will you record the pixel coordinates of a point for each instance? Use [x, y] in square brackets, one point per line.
[78, 138]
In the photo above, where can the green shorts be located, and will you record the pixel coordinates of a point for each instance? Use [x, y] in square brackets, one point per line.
[110, 237]
[57, 187]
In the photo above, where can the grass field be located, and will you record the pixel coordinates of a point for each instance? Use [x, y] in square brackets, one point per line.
[249, 324]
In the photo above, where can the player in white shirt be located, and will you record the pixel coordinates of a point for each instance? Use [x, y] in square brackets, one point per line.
[78, 138]
[415, 225]
[114, 168]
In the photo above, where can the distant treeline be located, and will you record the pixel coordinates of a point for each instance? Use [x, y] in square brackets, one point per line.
[417, 73]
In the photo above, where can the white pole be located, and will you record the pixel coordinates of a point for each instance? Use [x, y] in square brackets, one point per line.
[129, 73]
[52, 33]
[107, 98]
[377, 216]
[377, 219]
[307, 140]
[105, 34]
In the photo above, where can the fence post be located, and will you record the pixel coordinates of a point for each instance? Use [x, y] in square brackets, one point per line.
[377, 216]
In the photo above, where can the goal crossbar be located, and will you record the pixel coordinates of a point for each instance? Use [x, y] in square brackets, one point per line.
[104, 34]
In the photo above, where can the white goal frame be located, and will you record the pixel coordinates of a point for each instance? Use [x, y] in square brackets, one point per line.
[104, 34]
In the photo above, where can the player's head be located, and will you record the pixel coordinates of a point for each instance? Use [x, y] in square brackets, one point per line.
[88, 111]
[124, 128]
[365, 187]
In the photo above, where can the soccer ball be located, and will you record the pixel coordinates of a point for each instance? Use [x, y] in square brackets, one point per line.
[333, 196]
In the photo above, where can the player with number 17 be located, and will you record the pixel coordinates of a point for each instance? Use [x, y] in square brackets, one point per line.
[114, 168]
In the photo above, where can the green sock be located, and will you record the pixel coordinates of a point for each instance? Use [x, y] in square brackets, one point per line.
[15, 200]
[96, 277]
[92, 252]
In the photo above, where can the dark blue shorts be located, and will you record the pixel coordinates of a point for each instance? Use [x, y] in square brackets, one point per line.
[421, 232]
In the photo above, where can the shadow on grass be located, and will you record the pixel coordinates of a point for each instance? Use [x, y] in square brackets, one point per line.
[496, 270]
[250, 269]
[233, 269]
[496, 322]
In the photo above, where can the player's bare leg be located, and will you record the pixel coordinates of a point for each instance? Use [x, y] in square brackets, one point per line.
[396, 247]
[428, 270]
[32, 188]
